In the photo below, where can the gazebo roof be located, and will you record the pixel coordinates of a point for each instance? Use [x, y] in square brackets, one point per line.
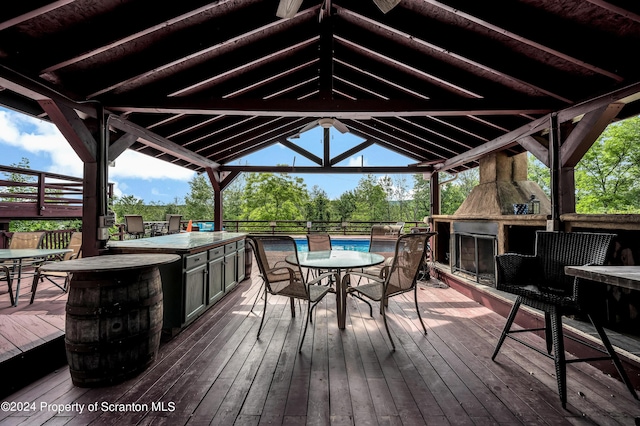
[202, 83]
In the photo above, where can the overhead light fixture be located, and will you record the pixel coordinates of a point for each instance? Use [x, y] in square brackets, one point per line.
[325, 123]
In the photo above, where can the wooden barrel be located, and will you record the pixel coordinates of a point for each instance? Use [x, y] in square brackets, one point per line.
[113, 324]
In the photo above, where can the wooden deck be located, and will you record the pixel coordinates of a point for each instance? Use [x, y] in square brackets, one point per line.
[216, 372]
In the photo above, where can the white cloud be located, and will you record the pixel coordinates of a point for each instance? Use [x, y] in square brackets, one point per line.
[357, 161]
[41, 137]
[134, 165]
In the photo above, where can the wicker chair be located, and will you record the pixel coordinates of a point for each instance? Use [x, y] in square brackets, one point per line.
[398, 278]
[539, 281]
[75, 245]
[281, 278]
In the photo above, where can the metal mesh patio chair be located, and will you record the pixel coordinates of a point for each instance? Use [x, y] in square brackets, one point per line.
[282, 278]
[75, 244]
[173, 223]
[395, 279]
[5, 274]
[25, 240]
[134, 225]
[318, 242]
[539, 281]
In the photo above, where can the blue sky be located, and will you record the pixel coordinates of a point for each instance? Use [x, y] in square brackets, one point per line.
[156, 181]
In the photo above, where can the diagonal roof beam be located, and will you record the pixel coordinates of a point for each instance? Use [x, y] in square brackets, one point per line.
[400, 34]
[33, 13]
[625, 95]
[524, 40]
[135, 36]
[161, 144]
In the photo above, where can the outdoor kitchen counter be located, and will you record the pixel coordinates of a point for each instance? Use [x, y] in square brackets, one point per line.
[212, 264]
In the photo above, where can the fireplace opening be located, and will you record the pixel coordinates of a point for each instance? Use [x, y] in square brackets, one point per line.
[474, 250]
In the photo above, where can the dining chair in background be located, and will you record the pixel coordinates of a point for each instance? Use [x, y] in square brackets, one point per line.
[398, 278]
[5, 274]
[75, 245]
[281, 278]
[134, 225]
[173, 223]
[539, 281]
[25, 240]
[318, 242]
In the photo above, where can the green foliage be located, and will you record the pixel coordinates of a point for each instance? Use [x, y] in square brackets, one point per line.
[270, 196]
[607, 176]
[319, 205]
[539, 173]
[199, 203]
[453, 194]
[421, 197]
[370, 200]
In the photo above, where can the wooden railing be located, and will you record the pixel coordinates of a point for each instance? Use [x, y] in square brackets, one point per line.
[32, 194]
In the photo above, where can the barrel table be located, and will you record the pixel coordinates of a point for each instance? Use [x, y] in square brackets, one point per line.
[113, 315]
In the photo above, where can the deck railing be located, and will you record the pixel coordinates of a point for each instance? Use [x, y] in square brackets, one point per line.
[33, 194]
[286, 227]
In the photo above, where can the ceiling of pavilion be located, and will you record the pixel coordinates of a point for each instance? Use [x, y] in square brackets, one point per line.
[203, 83]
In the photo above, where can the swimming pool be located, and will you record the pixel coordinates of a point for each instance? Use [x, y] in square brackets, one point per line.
[338, 244]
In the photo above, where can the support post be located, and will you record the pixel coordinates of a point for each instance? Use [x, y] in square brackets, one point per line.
[555, 170]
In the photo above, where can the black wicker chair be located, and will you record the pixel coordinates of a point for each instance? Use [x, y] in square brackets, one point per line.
[539, 281]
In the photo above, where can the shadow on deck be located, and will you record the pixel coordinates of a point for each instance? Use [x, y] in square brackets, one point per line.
[216, 372]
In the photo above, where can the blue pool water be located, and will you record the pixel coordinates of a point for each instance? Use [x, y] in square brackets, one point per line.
[338, 244]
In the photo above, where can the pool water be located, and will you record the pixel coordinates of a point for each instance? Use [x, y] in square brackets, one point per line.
[338, 244]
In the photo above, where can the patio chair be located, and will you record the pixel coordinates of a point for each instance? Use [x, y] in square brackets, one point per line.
[318, 242]
[134, 225]
[539, 281]
[281, 278]
[75, 244]
[397, 278]
[25, 240]
[173, 223]
[5, 274]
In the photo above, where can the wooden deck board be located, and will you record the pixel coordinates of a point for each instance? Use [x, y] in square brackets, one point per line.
[216, 372]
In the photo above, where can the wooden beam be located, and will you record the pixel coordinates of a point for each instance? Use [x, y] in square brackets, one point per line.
[158, 142]
[586, 132]
[72, 128]
[410, 169]
[538, 150]
[301, 151]
[121, 145]
[348, 153]
[338, 108]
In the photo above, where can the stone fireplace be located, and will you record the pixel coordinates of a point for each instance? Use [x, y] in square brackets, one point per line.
[478, 224]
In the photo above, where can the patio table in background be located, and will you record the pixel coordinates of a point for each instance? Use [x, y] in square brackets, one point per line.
[337, 260]
[620, 276]
[19, 255]
[157, 227]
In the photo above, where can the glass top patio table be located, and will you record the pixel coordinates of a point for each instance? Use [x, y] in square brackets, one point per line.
[337, 260]
[19, 255]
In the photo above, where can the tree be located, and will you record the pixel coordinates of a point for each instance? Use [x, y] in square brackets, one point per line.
[232, 198]
[199, 204]
[454, 193]
[607, 175]
[421, 197]
[270, 196]
[539, 173]
[319, 206]
[371, 202]
[345, 205]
